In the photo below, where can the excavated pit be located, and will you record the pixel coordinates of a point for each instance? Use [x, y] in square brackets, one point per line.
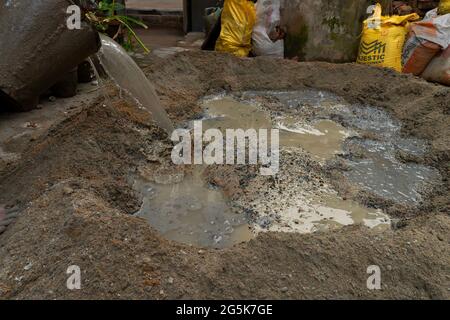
[76, 182]
[189, 209]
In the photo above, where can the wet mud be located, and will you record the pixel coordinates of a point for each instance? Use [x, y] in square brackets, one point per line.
[84, 191]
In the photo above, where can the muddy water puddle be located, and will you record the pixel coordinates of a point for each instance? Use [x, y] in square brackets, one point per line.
[380, 171]
[192, 212]
[323, 139]
[312, 124]
[382, 174]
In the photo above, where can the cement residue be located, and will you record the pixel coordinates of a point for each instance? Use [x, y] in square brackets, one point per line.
[300, 200]
[381, 173]
[304, 119]
[193, 212]
[306, 208]
[375, 168]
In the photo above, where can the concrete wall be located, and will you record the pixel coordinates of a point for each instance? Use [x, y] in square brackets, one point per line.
[324, 30]
[329, 30]
[194, 11]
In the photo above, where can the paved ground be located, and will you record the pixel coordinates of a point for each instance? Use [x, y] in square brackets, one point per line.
[164, 42]
[156, 38]
[15, 128]
[155, 4]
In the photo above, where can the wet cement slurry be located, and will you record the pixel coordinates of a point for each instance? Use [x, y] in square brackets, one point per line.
[195, 212]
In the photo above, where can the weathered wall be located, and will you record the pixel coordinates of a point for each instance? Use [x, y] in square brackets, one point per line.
[329, 30]
[324, 30]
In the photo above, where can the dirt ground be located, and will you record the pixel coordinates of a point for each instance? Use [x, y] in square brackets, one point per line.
[73, 189]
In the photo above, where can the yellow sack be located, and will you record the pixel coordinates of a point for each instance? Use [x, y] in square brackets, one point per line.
[383, 39]
[444, 7]
[238, 20]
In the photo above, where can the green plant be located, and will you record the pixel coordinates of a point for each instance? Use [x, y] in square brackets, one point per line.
[106, 14]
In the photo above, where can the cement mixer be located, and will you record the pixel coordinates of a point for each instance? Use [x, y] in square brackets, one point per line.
[37, 49]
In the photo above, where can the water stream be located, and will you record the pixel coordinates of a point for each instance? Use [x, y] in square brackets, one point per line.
[130, 78]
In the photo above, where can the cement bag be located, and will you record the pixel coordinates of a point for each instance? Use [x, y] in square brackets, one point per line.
[433, 28]
[428, 37]
[238, 20]
[383, 39]
[444, 7]
[417, 54]
[268, 18]
[439, 69]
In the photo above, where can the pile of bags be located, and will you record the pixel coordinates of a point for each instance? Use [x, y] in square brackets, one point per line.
[444, 7]
[407, 45]
[383, 39]
[400, 42]
[427, 50]
[247, 27]
[267, 35]
[238, 20]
